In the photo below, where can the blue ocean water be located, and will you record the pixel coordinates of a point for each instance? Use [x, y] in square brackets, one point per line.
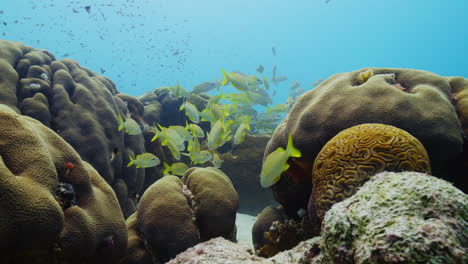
[143, 44]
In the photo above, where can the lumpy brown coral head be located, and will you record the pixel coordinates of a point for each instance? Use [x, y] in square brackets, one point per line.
[357, 153]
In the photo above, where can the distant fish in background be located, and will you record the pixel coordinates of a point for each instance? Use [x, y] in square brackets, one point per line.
[204, 87]
[88, 9]
[274, 71]
[294, 85]
[260, 69]
[273, 50]
[327, 1]
[316, 82]
[279, 78]
[296, 92]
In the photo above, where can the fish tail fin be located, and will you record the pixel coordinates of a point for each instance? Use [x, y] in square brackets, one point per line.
[166, 169]
[225, 77]
[131, 161]
[293, 151]
[121, 123]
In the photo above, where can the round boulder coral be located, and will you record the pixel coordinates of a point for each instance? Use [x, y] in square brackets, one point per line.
[357, 153]
[175, 214]
[428, 106]
[54, 205]
[405, 217]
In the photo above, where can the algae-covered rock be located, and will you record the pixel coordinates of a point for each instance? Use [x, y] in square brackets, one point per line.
[406, 217]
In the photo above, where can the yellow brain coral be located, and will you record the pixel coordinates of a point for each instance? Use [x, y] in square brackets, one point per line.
[357, 153]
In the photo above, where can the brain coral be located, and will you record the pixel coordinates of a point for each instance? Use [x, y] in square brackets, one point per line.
[357, 153]
[405, 217]
[418, 102]
[54, 205]
[175, 214]
[79, 105]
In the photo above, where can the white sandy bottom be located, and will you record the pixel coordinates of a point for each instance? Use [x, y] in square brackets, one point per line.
[244, 225]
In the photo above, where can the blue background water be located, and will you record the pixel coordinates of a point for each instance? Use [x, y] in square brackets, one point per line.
[143, 44]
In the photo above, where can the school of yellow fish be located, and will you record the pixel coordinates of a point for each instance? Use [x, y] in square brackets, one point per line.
[229, 122]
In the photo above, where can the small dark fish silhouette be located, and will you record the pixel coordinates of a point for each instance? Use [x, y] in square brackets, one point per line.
[273, 50]
[260, 69]
[103, 71]
[88, 9]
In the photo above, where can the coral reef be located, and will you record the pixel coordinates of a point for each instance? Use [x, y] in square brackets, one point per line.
[175, 214]
[418, 102]
[243, 166]
[274, 231]
[406, 217]
[357, 153]
[55, 206]
[79, 105]
[222, 251]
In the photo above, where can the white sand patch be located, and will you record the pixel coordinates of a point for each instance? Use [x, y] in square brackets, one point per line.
[244, 225]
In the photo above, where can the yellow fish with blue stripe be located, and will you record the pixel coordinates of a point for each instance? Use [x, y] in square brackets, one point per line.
[178, 168]
[145, 160]
[276, 163]
[131, 126]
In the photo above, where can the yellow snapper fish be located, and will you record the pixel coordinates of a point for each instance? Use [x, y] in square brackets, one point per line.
[178, 168]
[253, 81]
[279, 108]
[266, 84]
[237, 81]
[201, 157]
[216, 161]
[131, 126]
[144, 160]
[241, 131]
[194, 130]
[219, 133]
[240, 98]
[178, 91]
[211, 113]
[277, 162]
[191, 111]
[193, 145]
[183, 133]
[204, 87]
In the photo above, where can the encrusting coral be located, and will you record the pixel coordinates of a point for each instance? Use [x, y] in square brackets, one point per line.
[406, 217]
[356, 154]
[55, 206]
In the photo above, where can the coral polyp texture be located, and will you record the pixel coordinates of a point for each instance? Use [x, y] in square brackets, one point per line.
[406, 217]
[79, 105]
[357, 153]
[175, 214]
[419, 102]
[55, 207]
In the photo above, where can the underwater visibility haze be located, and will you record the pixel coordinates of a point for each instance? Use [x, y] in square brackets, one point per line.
[266, 131]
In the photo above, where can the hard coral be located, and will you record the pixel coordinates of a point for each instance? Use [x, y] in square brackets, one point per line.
[175, 214]
[50, 209]
[424, 109]
[357, 153]
[79, 105]
[405, 217]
